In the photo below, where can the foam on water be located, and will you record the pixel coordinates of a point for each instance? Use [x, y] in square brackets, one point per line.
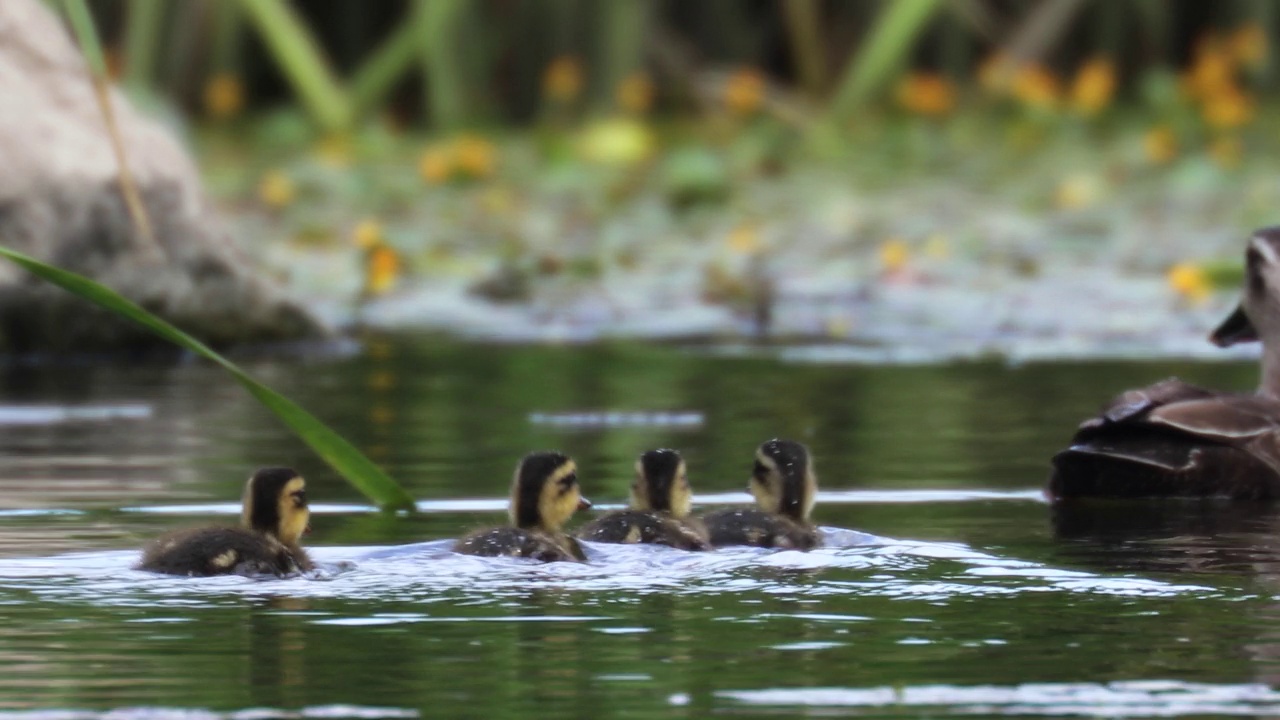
[430, 572]
[173, 713]
[1141, 698]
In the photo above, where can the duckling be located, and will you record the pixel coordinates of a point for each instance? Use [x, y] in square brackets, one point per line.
[660, 503]
[1173, 439]
[544, 495]
[785, 488]
[273, 517]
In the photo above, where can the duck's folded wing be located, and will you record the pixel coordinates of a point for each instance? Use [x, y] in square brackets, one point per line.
[1229, 419]
[1225, 445]
[1134, 403]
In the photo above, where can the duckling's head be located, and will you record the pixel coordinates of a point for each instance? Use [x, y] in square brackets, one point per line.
[1258, 315]
[661, 484]
[545, 492]
[275, 503]
[782, 480]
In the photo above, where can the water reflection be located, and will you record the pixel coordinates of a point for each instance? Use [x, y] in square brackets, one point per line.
[961, 580]
[1198, 536]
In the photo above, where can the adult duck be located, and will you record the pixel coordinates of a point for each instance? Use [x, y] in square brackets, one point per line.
[1173, 439]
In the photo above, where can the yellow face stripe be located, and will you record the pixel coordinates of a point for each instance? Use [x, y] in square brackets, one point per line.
[563, 472]
[554, 507]
[681, 494]
[293, 519]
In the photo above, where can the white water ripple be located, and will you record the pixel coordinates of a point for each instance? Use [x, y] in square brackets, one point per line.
[1135, 698]
[429, 572]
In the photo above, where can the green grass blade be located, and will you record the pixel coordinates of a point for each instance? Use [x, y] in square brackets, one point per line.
[341, 455]
[143, 33]
[623, 29]
[882, 53]
[443, 69]
[86, 35]
[389, 63]
[302, 62]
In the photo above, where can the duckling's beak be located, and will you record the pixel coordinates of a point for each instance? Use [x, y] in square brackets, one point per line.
[1237, 328]
[583, 503]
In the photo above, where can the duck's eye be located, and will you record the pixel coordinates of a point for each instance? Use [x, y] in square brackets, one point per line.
[759, 470]
[300, 498]
[568, 481]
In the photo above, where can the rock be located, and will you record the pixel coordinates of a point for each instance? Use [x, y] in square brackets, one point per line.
[60, 201]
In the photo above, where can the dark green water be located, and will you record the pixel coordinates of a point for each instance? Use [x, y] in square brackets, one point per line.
[963, 602]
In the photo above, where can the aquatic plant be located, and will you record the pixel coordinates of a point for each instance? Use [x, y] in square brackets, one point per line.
[341, 455]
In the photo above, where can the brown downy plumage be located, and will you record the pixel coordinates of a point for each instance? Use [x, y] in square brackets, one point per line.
[1175, 439]
[661, 500]
[544, 495]
[273, 517]
[785, 488]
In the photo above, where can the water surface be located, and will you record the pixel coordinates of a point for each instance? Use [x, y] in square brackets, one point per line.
[947, 586]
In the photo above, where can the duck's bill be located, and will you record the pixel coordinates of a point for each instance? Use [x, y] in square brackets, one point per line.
[584, 504]
[1235, 329]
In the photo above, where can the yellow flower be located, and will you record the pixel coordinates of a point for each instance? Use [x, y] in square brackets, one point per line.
[995, 73]
[381, 270]
[474, 156]
[620, 141]
[334, 150]
[367, 234]
[1227, 108]
[223, 96]
[1226, 151]
[436, 165]
[894, 254]
[1160, 144]
[744, 92]
[1078, 191]
[743, 240]
[927, 94]
[562, 80]
[937, 246]
[1093, 87]
[1248, 45]
[1211, 71]
[1189, 281]
[1036, 87]
[276, 189]
[635, 93]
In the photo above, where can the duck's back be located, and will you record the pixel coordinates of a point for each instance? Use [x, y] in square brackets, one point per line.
[1174, 440]
[749, 526]
[519, 542]
[642, 526]
[222, 551]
